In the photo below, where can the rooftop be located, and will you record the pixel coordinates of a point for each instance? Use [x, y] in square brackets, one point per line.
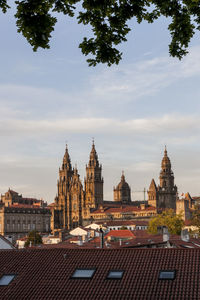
[47, 274]
[122, 209]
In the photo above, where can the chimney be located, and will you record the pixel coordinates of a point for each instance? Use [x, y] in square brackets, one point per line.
[60, 235]
[101, 238]
[185, 235]
[142, 206]
[160, 229]
[165, 234]
[80, 241]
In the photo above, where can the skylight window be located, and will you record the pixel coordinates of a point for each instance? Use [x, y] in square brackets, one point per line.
[167, 275]
[83, 273]
[6, 279]
[115, 274]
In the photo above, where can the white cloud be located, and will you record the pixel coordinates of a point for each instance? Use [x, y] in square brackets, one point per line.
[161, 125]
[18, 94]
[144, 166]
[147, 77]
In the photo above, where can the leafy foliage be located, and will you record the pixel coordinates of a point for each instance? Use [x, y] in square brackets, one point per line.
[109, 22]
[34, 237]
[123, 228]
[168, 218]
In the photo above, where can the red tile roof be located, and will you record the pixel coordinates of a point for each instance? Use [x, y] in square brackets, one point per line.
[46, 274]
[19, 205]
[120, 234]
[122, 209]
[188, 222]
[126, 223]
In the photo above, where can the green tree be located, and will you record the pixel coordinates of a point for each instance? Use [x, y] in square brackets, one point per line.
[123, 228]
[196, 218]
[168, 218]
[108, 19]
[34, 238]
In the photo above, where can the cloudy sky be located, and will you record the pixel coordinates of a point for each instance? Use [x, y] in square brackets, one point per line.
[132, 110]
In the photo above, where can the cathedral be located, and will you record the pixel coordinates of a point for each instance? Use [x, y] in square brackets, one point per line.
[75, 205]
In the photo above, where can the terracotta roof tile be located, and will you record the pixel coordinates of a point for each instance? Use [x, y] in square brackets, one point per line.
[120, 233]
[126, 223]
[19, 205]
[46, 274]
[122, 209]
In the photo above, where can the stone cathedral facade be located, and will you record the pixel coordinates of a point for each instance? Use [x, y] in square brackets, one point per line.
[73, 203]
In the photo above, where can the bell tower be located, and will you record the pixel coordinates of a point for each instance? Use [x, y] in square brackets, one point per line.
[93, 181]
[167, 190]
[63, 185]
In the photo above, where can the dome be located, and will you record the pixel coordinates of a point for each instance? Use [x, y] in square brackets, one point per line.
[123, 184]
[122, 192]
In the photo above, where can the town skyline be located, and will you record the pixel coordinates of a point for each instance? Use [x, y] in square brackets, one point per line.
[136, 193]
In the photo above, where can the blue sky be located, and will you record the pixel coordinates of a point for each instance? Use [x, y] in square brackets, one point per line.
[132, 110]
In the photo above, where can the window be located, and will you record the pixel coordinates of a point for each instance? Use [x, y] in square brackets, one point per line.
[83, 273]
[167, 275]
[115, 274]
[6, 279]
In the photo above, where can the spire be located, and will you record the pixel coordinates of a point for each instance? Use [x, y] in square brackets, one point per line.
[75, 170]
[93, 156]
[66, 160]
[166, 164]
[165, 152]
[123, 177]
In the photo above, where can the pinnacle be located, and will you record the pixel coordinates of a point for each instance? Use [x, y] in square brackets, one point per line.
[66, 158]
[152, 186]
[123, 176]
[93, 156]
[165, 152]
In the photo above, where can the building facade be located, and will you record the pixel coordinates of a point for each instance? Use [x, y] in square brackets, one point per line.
[19, 215]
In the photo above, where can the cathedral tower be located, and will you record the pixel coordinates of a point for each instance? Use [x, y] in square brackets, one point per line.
[122, 192]
[167, 191]
[93, 181]
[63, 185]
